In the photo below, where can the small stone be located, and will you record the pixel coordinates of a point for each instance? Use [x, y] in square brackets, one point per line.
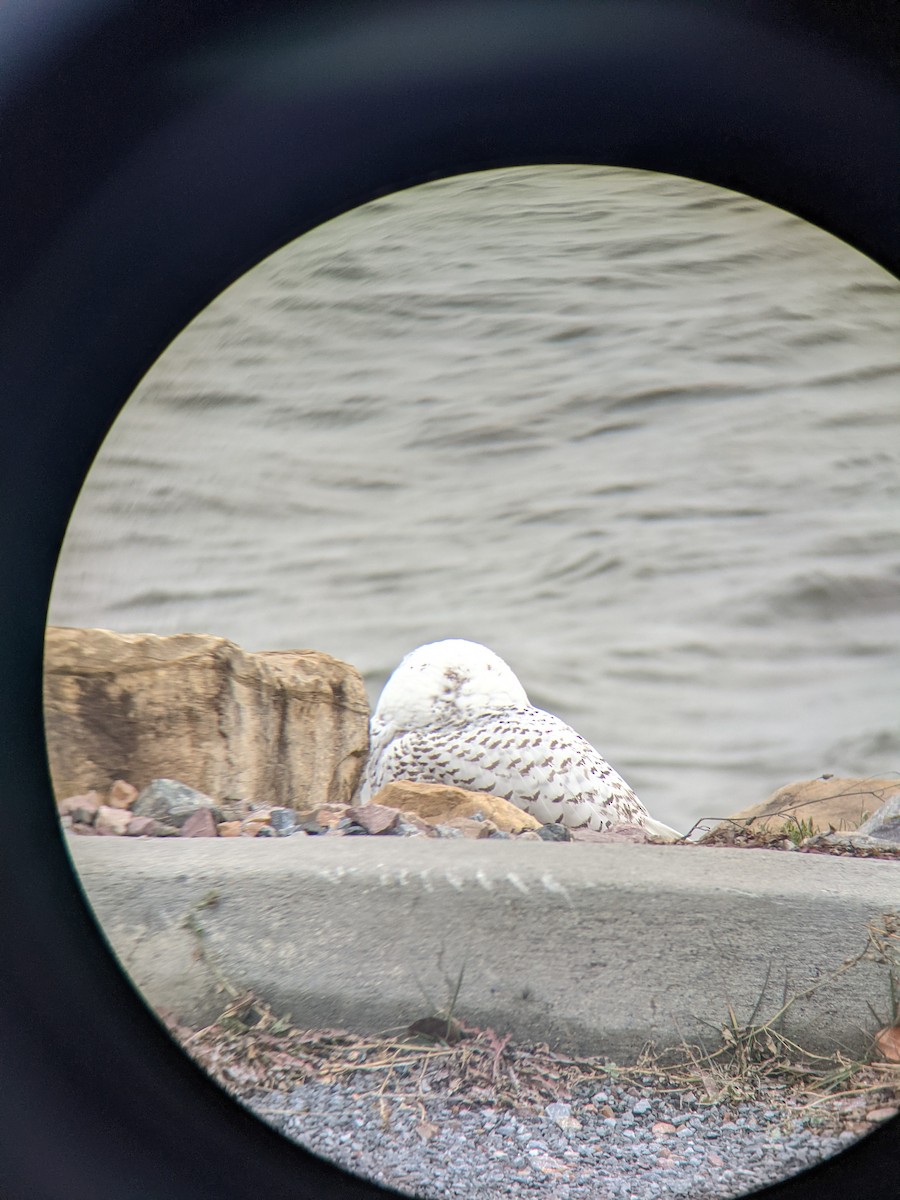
[607, 1112]
[553, 831]
[471, 828]
[411, 818]
[407, 829]
[122, 794]
[229, 828]
[282, 820]
[447, 831]
[662, 1128]
[112, 820]
[642, 1106]
[82, 809]
[251, 827]
[202, 823]
[558, 1111]
[235, 809]
[79, 828]
[141, 827]
[375, 818]
[529, 836]
[500, 835]
[882, 1114]
[329, 816]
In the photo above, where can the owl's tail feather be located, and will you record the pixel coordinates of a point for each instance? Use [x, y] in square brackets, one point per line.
[664, 832]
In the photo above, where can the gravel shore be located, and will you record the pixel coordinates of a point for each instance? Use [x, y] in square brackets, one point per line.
[617, 1142]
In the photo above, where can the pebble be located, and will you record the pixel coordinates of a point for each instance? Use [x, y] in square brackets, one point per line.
[470, 1157]
[111, 820]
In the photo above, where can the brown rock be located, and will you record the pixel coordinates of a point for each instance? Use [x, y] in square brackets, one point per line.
[374, 818]
[829, 802]
[287, 725]
[882, 1114]
[229, 828]
[471, 828]
[77, 827]
[662, 1128]
[82, 809]
[112, 820]
[122, 794]
[411, 818]
[251, 827]
[328, 816]
[529, 836]
[437, 803]
[202, 823]
[142, 827]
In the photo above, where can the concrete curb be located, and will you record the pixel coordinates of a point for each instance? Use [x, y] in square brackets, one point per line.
[591, 948]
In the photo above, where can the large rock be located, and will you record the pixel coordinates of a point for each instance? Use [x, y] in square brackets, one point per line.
[828, 802]
[279, 727]
[439, 803]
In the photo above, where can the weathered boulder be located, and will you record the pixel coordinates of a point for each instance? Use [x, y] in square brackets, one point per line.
[171, 802]
[828, 802]
[438, 803]
[279, 727]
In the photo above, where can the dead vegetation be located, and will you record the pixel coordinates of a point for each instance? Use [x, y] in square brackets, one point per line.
[251, 1050]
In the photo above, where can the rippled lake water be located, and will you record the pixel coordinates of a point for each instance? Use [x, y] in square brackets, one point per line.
[637, 434]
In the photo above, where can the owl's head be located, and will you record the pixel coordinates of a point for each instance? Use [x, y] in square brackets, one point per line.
[448, 681]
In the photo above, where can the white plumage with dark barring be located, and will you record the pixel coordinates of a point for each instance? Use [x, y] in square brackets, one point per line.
[453, 712]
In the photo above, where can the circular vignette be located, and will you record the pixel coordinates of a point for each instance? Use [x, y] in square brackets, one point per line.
[151, 157]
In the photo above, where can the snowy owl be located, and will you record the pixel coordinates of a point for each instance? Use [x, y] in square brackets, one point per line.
[453, 712]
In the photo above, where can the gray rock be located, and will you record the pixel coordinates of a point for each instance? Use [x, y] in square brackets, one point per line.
[282, 820]
[554, 832]
[885, 823]
[171, 802]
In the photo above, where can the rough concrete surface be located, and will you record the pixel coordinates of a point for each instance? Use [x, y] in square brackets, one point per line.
[592, 948]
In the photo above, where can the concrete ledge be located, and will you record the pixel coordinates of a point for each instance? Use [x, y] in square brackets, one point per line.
[592, 948]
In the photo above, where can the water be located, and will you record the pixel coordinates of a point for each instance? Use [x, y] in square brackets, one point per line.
[638, 435]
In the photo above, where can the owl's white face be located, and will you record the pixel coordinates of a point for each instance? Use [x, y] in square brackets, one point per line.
[448, 679]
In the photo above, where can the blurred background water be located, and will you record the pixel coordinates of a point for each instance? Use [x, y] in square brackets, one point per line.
[637, 434]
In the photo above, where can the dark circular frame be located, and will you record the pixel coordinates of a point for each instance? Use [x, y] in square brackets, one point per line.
[151, 154]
